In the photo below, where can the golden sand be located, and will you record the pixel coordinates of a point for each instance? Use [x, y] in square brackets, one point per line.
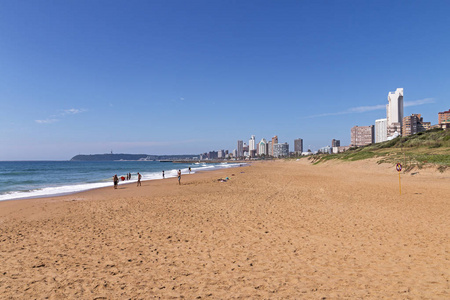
[274, 230]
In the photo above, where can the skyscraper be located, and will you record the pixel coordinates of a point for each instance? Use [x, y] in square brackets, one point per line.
[240, 149]
[252, 143]
[335, 143]
[380, 130]
[262, 147]
[394, 112]
[274, 142]
[298, 146]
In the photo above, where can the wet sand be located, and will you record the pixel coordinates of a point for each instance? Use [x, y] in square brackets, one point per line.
[283, 229]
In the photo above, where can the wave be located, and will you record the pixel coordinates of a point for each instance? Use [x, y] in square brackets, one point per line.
[74, 188]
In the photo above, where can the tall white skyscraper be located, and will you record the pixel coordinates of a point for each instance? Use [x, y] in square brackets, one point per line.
[394, 112]
[380, 130]
[252, 143]
[262, 147]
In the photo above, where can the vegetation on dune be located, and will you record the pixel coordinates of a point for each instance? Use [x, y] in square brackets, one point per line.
[431, 147]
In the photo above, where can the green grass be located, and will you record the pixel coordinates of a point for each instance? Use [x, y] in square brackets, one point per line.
[425, 148]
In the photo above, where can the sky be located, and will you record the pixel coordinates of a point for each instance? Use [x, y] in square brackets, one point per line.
[187, 77]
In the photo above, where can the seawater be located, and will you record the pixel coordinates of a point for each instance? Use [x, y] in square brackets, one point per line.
[30, 179]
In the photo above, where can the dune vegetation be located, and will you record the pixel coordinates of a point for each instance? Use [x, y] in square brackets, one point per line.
[431, 147]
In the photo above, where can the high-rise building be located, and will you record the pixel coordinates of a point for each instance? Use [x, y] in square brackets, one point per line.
[394, 112]
[380, 130]
[298, 146]
[281, 150]
[262, 147]
[221, 154]
[213, 154]
[269, 148]
[414, 124]
[444, 119]
[240, 149]
[274, 142]
[245, 149]
[362, 135]
[252, 143]
[335, 143]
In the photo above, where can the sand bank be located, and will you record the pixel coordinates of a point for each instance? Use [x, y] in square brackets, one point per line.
[274, 230]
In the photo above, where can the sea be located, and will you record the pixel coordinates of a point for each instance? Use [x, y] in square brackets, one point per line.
[33, 179]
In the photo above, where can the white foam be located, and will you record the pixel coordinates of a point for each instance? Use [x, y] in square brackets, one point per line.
[53, 191]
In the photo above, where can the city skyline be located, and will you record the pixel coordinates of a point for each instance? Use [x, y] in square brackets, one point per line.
[80, 77]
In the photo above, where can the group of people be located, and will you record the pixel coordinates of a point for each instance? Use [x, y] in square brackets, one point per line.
[116, 179]
[139, 177]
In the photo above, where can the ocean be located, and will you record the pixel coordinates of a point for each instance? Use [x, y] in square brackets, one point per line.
[31, 179]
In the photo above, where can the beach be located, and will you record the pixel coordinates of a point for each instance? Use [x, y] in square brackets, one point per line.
[274, 230]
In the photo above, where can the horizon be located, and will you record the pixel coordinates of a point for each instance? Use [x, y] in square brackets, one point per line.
[192, 77]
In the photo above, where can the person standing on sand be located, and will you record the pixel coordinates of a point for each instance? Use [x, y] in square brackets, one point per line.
[179, 177]
[139, 179]
[163, 174]
[116, 181]
[189, 170]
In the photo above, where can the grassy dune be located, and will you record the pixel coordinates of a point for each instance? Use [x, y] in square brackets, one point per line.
[415, 151]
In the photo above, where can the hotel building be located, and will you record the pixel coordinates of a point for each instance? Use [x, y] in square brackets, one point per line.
[262, 147]
[444, 119]
[414, 124]
[394, 112]
[281, 150]
[240, 149]
[252, 146]
[362, 135]
[380, 130]
[298, 146]
[274, 142]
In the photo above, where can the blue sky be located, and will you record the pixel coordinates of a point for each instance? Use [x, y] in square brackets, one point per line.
[185, 77]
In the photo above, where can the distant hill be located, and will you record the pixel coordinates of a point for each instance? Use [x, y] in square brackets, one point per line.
[431, 147]
[133, 157]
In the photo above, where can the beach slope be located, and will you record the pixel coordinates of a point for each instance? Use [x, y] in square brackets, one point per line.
[282, 229]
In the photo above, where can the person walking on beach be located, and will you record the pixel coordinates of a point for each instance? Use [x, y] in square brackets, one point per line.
[116, 181]
[179, 177]
[139, 179]
[189, 170]
[163, 174]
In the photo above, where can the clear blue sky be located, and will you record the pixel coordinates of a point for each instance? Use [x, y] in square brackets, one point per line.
[185, 77]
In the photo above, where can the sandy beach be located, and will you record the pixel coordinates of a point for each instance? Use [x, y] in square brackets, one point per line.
[275, 230]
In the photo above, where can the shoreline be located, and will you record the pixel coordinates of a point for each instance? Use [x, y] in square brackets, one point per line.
[279, 229]
[73, 188]
[97, 193]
